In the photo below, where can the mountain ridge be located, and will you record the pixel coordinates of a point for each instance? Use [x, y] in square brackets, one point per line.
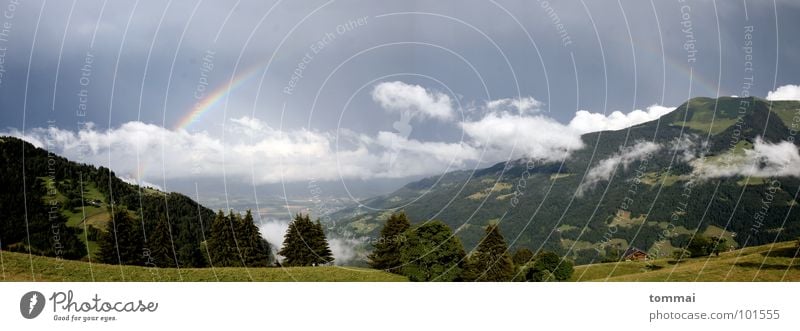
[550, 216]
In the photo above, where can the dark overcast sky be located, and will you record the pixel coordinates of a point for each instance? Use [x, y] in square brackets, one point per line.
[467, 47]
[444, 60]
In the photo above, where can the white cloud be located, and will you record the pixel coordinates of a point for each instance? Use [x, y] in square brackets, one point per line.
[248, 125]
[522, 105]
[764, 160]
[585, 121]
[605, 168]
[401, 97]
[537, 137]
[408, 156]
[265, 155]
[343, 250]
[134, 181]
[253, 152]
[785, 92]
[273, 231]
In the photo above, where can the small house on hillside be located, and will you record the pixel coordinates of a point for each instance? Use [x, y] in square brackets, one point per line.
[634, 254]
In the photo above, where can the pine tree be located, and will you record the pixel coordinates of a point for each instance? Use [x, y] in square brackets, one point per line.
[221, 245]
[160, 245]
[304, 243]
[386, 254]
[490, 262]
[190, 255]
[122, 243]
[322, 251]
[295, 250]
[254, 252]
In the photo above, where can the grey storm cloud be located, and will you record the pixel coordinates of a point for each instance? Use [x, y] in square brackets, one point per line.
[480, 51]
[297, 79]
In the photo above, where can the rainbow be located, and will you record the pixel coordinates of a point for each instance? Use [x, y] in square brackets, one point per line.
[705, 86]
[210, 100]
[215, 97]
[205, 104]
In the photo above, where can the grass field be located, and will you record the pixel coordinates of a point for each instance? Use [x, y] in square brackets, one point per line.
[788, 112]
[758, 263]
[17, 267]
[715, 127]
[94, 212]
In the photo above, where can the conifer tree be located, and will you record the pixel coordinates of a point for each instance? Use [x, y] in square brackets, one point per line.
[160, 245]
[322, 251]
[189, 254]
[386, 254]
[304, 243]
[295, 250]
[252, 245]
[221, 244]
[122, 243]
[490, 262]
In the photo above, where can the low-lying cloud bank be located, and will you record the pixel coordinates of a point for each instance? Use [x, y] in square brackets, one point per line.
[606, 167]
[764, 160]
[585, 121]
[253, 152]
[140, 150]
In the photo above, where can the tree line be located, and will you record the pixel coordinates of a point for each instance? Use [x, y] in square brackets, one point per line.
[233, 241]
[431, 252]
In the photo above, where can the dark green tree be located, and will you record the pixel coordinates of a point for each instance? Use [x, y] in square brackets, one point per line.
[700, 245]
[251, 244]
[221, 243]
[522, 256]
[386, 252]
[122, 243]
[162, 253]
[679, 254]
[432, 253]
[304, 243]
[189, 254]
[613, 253]
[295, 250]
[719, 245]
[319, 243]
[490, 262]
[548, 267]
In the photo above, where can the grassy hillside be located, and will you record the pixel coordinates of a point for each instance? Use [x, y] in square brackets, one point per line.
[757, 263]
[83, 195]
[17, 267]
